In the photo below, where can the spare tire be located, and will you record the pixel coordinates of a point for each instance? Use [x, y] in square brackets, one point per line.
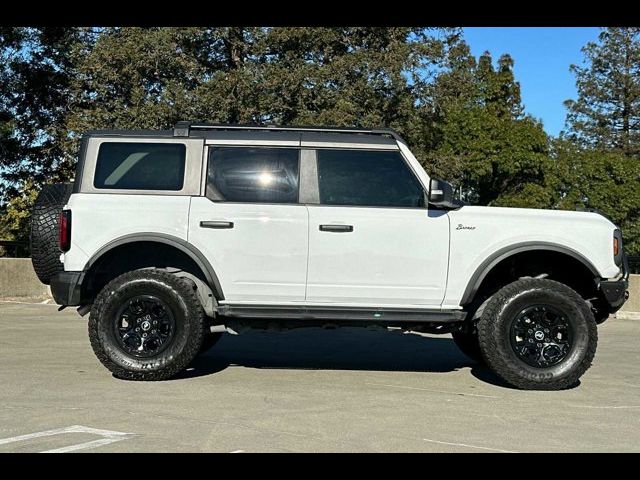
[43, 241]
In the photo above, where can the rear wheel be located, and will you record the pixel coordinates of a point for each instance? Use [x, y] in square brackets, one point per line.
[146, 325]
[538, 334]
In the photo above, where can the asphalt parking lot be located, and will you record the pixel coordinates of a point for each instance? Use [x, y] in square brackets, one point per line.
[349, 390]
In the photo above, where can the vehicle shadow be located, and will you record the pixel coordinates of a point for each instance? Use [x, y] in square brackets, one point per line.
[342, 349]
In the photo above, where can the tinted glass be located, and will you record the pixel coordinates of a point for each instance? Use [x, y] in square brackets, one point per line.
[140, 166]
[258, 175]
[367, 178]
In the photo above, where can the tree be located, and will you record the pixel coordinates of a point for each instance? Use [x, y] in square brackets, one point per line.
[597, 159]
[608, 182]
[15, 220]
[11, 39]
[287, 75]
[35, 74]
[496, 154]
[606, 114]
[463, 118]
[351, 76]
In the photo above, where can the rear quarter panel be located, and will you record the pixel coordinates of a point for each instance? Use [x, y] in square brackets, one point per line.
[98, 219]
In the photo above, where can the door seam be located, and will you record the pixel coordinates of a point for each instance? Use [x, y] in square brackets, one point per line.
[306, 278]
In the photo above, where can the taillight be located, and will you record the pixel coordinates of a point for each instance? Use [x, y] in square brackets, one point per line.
[65, 230]
[616, 247]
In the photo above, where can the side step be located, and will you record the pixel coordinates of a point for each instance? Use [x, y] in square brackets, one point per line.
[341, 313]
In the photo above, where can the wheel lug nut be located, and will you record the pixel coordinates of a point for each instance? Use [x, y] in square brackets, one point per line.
[144, 335]
[539, 345]
[530, 331]
[153, 331]
[137, 329]
[155, 322]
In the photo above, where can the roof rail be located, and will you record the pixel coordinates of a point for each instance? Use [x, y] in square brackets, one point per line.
[183, 129]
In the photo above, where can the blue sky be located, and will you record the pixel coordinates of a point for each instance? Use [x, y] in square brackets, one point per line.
[542, 57]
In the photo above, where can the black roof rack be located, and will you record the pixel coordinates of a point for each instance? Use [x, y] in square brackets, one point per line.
[184, 128]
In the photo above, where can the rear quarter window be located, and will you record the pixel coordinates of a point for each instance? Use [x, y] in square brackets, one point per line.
[140, 166]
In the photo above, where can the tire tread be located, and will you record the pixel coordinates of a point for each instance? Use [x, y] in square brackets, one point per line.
[43, 239]
[180, 287]
[489, 344]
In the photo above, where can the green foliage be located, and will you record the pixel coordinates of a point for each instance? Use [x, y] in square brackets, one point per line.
[14, 218]
[37, 70]
[606, 114]
[486, 145]
[463, 117]
[10, 40]
[606, 181]
[349, 76]
[598, 162]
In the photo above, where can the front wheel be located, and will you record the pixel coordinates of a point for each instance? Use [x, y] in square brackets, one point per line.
[146, 325]
[538, 334]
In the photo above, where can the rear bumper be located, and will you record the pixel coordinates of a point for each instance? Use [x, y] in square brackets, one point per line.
[66, 288]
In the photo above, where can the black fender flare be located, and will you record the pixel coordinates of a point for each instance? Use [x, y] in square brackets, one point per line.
[487, 265]
[196, 255]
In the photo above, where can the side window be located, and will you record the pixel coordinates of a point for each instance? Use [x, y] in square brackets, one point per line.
[140, 166]
[367, 178]
[256, 175]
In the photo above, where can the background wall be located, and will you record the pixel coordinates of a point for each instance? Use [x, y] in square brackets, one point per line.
[17, 279]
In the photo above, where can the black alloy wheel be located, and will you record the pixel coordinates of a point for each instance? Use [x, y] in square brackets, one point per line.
[541, 335]
[144, 326]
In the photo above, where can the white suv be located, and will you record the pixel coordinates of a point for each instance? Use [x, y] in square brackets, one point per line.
[169, 238]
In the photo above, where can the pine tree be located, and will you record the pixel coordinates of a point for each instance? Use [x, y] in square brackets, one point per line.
[606, 114]
[495, 153]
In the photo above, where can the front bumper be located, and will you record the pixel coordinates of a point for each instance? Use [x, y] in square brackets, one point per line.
[615, 292]
[66, 288]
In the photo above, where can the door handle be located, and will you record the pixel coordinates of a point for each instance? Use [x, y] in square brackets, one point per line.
[336, 228]
[216, 224]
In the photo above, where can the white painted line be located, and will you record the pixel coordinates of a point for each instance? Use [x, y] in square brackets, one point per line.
[613, 407]
[433, 391]
[237, 451]
[469, 446]
[28, 303]
[110, 436]
[83, 446]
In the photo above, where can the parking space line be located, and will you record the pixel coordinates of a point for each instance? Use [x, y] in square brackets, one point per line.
[237, 451]
[110, 436]
[83, 446]
[469, 446]
[612, 407]
[17, 302]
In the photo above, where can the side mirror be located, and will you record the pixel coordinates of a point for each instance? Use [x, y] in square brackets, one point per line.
[440, 192]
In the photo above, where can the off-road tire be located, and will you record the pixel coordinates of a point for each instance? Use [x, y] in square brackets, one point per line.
[494, 334]
[178, 294]
[43, 240]
[469, 345]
